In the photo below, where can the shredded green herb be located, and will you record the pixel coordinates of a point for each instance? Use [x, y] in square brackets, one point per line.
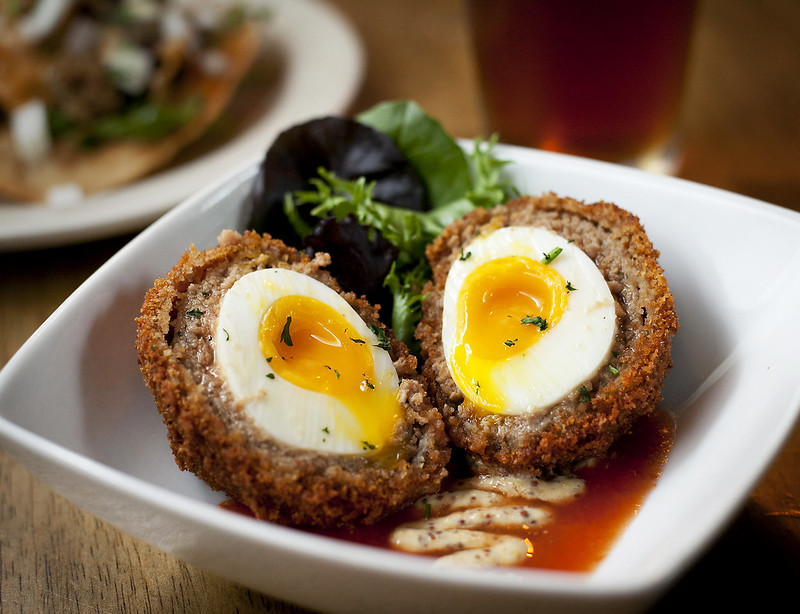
[551, 255]
[195, 313]
[286, 337]
[380, 333]
[536, 321]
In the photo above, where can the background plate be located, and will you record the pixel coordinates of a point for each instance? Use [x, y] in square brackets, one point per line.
[75, 412]
[292, 81]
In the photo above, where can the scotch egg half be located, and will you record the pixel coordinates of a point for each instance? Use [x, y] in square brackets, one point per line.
[527, 318]
[303, 366]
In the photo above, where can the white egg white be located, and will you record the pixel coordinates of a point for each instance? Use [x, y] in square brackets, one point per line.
[569, 353]
[296, 416]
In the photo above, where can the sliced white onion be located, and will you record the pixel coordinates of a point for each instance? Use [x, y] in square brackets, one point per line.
[131, 67]
[214, 62]
[174, 26]
[30, 133]
[209, 14]
[144, 10]
[42, 19]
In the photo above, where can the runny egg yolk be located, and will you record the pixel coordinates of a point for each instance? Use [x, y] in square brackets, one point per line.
[506, 305]
[309, 344]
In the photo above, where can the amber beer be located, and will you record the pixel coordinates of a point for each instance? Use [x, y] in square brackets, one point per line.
[601, 79]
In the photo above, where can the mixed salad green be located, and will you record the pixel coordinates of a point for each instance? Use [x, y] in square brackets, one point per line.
[373, 192]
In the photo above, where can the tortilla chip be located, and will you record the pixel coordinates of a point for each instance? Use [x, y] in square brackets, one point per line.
[119, 162]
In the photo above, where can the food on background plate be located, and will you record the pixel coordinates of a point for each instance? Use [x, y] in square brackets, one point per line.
[285, 392]
[97, 94]
[546, 331]
[399, 215]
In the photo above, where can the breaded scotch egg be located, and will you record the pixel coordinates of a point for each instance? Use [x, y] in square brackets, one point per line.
[283, 391]
[546, 331]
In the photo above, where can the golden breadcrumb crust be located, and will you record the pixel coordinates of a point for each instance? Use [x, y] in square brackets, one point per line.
[596, 414]
[214, 440]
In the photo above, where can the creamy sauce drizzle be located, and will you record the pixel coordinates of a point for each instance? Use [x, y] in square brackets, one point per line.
[466, 526]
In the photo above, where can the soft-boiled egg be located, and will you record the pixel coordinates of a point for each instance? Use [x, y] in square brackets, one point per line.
[303, 366]
[527, 318]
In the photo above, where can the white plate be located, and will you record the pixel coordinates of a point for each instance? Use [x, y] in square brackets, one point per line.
[321, 64]
[76, 413]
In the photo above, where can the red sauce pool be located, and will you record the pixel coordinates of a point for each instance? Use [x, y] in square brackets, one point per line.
[616, 486]
[584, 529]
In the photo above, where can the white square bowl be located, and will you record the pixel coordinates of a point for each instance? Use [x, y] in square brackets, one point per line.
[75, 411]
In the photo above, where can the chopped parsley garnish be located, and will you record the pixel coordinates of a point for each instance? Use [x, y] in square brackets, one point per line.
[326, 430]
[584, 395]
[536, 321]
[365, 445]
[551, 255]
[464, 255]
[270, 375]
[510, 342]
[366, 383]
[286, 337]
[383, 342]
[195, 313]
[613, 369]
[570, 287]
[227, 335]
[356, 340]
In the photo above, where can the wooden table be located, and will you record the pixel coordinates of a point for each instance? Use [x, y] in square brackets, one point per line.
[742, 129]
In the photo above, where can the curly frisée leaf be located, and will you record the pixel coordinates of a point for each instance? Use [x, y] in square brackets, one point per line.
[406, 289]
[410, 231]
